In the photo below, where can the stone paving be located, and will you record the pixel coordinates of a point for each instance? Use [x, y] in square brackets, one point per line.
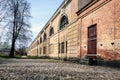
[39, 69]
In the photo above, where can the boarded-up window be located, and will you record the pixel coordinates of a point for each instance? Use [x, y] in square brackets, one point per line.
[40, 50]
[44, 50]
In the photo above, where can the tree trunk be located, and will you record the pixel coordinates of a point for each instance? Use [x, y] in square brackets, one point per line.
[12, 49]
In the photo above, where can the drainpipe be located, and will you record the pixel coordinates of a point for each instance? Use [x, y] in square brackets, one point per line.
[66, 49]
[114, 29]
[37, 50]
[58, 46]
[80, 38]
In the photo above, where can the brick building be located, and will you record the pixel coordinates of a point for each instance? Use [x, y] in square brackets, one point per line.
[80, 29]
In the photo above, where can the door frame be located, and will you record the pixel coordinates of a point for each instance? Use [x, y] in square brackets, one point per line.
[91, 39]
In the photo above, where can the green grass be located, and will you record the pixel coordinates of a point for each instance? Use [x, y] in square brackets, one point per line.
[37, 57]
[4, 56]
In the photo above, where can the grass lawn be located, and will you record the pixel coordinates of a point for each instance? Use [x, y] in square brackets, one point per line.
[2, 56]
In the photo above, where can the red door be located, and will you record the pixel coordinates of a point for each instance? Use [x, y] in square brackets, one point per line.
[92, 40]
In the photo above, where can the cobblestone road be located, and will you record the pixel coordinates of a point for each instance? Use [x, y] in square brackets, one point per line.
[28, 69]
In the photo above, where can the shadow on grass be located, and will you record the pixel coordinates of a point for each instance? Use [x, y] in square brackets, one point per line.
[7, 57]
[4, 57]
[24, 57]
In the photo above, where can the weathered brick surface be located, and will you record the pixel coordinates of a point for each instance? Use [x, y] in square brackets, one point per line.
[104, 13]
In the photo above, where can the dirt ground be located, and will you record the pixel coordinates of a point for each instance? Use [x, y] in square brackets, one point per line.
[47, 69]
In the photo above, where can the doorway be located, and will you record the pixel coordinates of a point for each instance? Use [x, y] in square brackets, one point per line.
[92, 40]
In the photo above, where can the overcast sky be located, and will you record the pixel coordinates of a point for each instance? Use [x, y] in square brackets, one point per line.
[41, 11]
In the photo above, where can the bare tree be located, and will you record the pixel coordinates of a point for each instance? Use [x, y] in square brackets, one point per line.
[17, 15]
[2, 9]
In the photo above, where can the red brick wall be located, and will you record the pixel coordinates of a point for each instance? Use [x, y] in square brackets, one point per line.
[106, 15]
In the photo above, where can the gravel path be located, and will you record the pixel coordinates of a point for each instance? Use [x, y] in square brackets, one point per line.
[28, 69]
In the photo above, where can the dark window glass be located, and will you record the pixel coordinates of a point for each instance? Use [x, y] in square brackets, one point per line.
[59, 48]
[51, 31]
[83, 3]
[40, 40]
[62, 47]
[63, 22]
[44, 36]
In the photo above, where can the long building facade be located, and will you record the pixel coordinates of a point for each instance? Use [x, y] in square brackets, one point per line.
[81, 29]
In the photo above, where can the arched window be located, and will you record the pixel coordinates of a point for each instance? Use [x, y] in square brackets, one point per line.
[63, 22]
[51, 31]
[44, 37]
[40, 40]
